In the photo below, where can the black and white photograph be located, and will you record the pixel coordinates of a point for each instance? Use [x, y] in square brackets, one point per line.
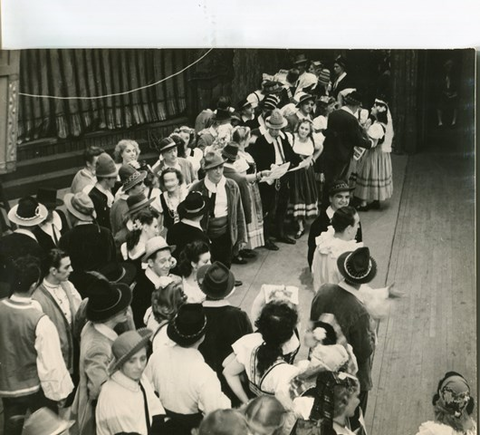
[244, 241]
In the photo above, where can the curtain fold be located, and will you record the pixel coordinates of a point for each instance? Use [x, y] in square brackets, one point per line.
[94, 72]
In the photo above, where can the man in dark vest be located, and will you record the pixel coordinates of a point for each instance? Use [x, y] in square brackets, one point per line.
[32, 370]
[345, 303]
[272, 148]
[60, 301]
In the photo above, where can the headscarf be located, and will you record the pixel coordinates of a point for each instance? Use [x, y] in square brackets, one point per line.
[451, 402]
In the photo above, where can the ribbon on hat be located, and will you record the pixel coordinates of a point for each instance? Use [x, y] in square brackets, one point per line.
[37, 214]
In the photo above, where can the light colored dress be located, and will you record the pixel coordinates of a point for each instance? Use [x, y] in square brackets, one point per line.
[434, 428]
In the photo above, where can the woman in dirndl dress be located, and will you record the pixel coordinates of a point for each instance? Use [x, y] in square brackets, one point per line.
[374, 170]
[304, 194]
[245, 165]
[266, 356]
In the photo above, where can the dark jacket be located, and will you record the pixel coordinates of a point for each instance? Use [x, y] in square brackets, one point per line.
[236, 216]
[343, 133]
[181, 234]
[100, 203]
[13, 246]
[142, 298]
[356, 323]
[242, 182]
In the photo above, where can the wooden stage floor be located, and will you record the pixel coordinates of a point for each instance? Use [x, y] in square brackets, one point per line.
[423, 240]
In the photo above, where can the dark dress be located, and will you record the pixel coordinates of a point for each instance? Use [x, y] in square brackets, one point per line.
[225, 325]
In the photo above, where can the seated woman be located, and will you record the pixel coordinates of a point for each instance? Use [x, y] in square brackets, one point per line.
[145, 226]
[127, 402]
[173, 193]
[265, 356]
[194, 256]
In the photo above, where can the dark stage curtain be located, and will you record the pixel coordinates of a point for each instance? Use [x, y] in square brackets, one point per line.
[94, 72]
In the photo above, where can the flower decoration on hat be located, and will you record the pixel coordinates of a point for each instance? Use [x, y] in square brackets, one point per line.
[319, 333]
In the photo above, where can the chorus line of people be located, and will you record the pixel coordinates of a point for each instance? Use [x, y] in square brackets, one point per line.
[115, 313]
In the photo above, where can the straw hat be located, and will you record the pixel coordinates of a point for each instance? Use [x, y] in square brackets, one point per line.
[155, 244]
[45, 422]
[28, 212]
[276, 120]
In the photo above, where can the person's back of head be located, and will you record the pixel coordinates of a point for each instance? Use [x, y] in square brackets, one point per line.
[90, 153]
[223, 422]
[26, 274]
[265, 414]
[343, 218]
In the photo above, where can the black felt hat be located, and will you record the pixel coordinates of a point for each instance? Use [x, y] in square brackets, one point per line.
[357, 266]
[188, 326]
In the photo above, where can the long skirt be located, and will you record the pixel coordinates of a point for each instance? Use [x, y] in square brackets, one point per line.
[255, 228]
[304, 194]
[374, 176]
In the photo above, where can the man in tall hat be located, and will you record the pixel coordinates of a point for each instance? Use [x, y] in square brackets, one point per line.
[272, 149]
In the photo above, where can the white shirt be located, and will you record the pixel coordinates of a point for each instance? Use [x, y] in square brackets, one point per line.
[158, 281]
[121, 406]
[279, 154]
[193, 292]
[52, 372]
[184, 382]
[276, 378]
[221, 204]
[61, 298]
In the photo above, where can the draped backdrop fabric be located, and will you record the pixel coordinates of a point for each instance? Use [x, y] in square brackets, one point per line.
[96, 72]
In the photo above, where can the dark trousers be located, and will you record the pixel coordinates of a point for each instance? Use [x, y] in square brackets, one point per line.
[15, 409]
[221, 249]
[275, 203]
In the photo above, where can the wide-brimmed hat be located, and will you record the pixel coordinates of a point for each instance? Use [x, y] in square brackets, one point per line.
[166, 144]
[123, 273]
[155, 244]
[212, 160]
[127, 345]
[353, 99]
[218, 281]
[105, 167]
[138, 202]
[270, 102]
[81, 206]
[300, 58]
[28, 212]
[45, 422]
[339, 186]
[106, 299]
[357, 266]
[271, 87]
[303, 97]
[230, 152]
[276, 120]
[188, 326]
[130, 177]
[192, 206]
[222, 115]
[48, 197]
